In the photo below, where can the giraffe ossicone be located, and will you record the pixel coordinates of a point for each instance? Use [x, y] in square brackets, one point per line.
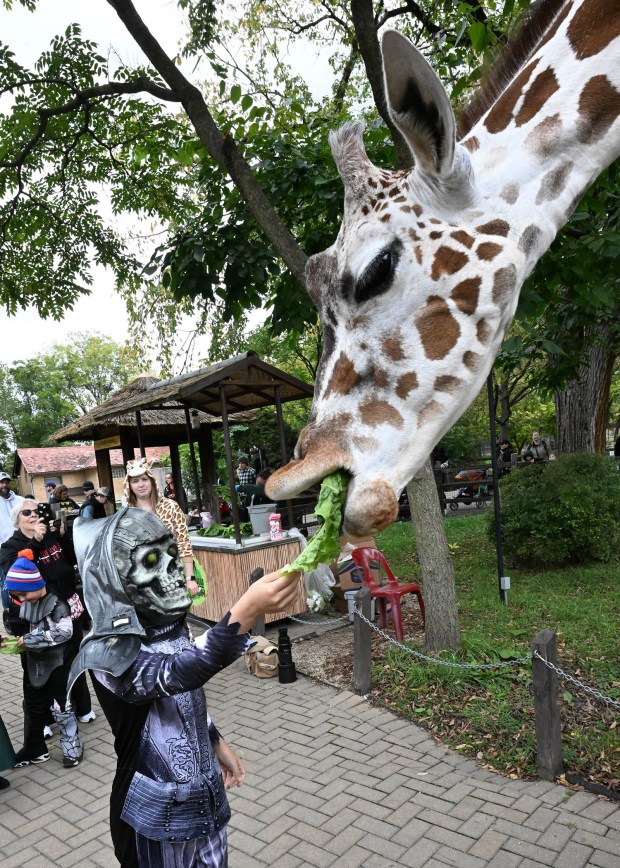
[423, 280]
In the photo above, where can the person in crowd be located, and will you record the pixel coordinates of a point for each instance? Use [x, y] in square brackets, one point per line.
[504, 457]
[141, 491]
[48, 655]
[167, 807]
[169, 491]
[50, 488]
[254, 493]
[88, 487]
[7, 754]
[62, 499]
[54, 557]
[537, 448]
[97, 504]
[8, 501]
[529, 458]
[246, 475]
[617, 448]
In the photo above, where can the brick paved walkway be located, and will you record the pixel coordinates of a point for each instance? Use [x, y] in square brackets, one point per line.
[331, 781]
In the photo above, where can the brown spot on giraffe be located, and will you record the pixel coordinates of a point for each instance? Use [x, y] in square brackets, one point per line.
[529, 239]
[544, 139]
[429, 412]
[488, 250]
[379, 377]
[438, 329]
[374, 412]
[501, 114]
[417, 210]
[586, 40]
[435, 221]
[599, 106]
[393, 348]
[471, 360]
[466, 293]
[344, 377]
[400, 199]
[365, 210]
[554, 182]
[504, 284]
[435, 235]
[413, 235]
[406, 383]
[386, 218]
[494, 227]
[510, 192]
[541, 89]
[365, 444]
[463, 237]
[418, 253]
[372, 183]
[471, 144]
[483, 331]
[393, 192]
[406, 209]
[447, 261]
[448, 384]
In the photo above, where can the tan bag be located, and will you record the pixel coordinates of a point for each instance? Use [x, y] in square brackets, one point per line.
[262, 658]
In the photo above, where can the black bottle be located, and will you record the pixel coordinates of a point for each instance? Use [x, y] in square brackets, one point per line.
[286, 667]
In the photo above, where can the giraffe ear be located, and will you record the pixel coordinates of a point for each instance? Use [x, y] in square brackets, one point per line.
[418, 104]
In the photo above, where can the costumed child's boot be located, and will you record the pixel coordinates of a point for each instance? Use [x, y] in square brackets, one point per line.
[72, 748]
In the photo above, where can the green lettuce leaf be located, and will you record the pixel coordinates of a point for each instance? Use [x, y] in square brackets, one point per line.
[9, 646]
[324, 546]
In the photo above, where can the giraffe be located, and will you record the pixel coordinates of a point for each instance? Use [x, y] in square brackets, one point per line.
[422, 282]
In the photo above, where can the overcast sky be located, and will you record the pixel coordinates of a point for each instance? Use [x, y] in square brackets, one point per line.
[28, 35]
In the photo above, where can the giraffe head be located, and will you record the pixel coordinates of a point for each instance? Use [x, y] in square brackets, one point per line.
[416, 293]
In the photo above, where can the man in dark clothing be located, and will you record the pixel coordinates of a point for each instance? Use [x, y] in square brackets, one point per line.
[537, 449]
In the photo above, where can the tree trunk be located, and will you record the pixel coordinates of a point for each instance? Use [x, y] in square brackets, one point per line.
[442, 620]
[582, 405]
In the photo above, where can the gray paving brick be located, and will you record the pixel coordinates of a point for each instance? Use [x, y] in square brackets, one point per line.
[313, 855]
[488, 844]
[451, 857]
[504, 859]
[597, 842]
[573, 856]
[420, 854]
[604, 860]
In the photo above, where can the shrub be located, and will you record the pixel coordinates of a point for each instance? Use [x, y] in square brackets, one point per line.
[561, 512]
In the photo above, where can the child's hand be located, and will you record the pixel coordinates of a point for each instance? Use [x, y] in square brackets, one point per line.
[20, 641]
[233, 770]
[272, 593]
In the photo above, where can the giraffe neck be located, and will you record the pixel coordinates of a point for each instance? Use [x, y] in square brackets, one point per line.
[554, 128]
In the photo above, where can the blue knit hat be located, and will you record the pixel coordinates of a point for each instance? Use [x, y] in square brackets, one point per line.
[24, 576]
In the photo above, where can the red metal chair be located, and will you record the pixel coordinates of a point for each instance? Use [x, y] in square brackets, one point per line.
[392, 591]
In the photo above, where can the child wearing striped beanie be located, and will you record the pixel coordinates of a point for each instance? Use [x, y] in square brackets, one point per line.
[47, 663]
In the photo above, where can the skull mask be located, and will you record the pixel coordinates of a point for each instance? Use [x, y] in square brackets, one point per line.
[147, 559]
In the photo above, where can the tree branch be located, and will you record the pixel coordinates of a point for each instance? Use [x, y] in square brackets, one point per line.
[222, 148]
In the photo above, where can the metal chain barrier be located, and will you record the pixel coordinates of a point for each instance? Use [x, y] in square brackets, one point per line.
[517, 661]
[595, 693]
[317, 623]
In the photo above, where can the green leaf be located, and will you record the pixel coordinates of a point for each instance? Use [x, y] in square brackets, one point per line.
[235, 93]
[324, 546]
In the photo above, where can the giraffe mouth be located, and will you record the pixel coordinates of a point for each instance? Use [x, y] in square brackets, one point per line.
[371, 504]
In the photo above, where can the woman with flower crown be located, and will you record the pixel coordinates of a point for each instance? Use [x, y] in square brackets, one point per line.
[141, 491]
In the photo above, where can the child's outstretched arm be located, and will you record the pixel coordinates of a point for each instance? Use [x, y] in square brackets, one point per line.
[272, 593]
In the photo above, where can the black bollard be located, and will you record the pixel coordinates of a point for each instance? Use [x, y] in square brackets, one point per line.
[286, 667]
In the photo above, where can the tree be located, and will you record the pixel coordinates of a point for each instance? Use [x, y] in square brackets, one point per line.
[42, 394]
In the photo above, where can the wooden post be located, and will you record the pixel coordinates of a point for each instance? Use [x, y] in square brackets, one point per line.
[361, 644]
[546, 709]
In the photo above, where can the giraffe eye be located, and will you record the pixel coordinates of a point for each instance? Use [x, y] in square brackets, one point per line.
[378, 274]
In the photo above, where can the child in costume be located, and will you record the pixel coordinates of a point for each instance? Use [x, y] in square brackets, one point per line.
[168, 805]
[47, 658]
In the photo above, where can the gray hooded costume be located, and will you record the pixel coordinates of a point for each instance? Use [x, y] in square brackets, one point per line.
[148, 678]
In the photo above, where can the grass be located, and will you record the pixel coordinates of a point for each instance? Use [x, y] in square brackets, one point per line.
[490, 714]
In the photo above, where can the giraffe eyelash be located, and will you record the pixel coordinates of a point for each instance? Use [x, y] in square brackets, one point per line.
[377, 277]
